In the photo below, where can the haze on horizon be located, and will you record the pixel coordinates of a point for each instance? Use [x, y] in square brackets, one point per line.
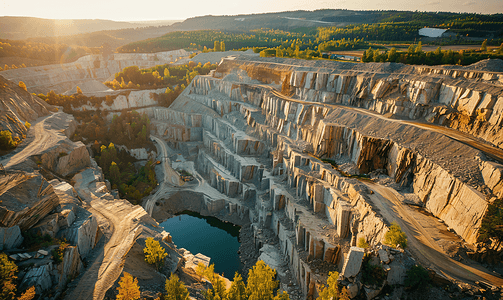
[163, 10]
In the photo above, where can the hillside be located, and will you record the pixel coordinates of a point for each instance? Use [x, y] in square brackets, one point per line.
[27, 27]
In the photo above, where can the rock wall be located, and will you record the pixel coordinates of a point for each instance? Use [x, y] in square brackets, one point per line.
[17, 107]
[63, 77]
[25, 200]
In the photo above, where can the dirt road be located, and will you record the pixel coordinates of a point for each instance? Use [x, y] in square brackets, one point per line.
[45, 133]
[420, 242]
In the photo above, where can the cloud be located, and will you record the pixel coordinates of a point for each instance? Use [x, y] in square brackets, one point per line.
[467, 3]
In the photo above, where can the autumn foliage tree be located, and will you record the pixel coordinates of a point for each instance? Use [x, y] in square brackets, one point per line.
[154, 253]
[175, 289]
[128, 288]
[23, 86]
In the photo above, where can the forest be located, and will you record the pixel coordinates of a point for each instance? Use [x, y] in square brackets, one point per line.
[51, 53]
[416, 56]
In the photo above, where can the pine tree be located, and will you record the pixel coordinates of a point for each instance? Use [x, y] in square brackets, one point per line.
[23, 86]
[154, 253]
[175, 290]
[128, 288]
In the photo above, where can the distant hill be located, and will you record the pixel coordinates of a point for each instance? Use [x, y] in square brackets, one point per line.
[290, 20]
[17, 28]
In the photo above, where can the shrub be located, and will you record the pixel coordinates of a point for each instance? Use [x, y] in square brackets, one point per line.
[8, 271]
[362, 243]
[417, 278]
[27, 125]
[6, 140]
[59, 252]
[395, 236]
[333, 291]
[154, 253]
[372, 274]
[23, 86]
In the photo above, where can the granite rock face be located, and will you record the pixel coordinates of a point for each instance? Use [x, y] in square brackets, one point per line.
[10, 237]
[26, 199]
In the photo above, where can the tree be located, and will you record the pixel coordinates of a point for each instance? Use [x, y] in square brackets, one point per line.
[237, 291]
[484, 46]
[23, 86]
[222, 46]
[261, 283]
[175, 290]
[491, 228]
[333, 291]
[28, 294]
[128, 288]
[166, 72]
[79, 91]
[419, 47]
[8, 270]
[154, 253]
[216, 46]
[115, 173]
[395, 236]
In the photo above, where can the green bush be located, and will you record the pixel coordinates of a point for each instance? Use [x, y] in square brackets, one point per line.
[372, 274]
[417, 278]
[395, 236]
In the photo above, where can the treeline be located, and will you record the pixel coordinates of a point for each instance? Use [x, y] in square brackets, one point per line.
[158, 76]
[174, 78]
[298, 49]
[415, 56]
[70, 102]
[201, 39]
[56, 53]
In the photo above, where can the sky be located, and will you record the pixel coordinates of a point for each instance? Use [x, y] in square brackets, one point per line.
[142, 10]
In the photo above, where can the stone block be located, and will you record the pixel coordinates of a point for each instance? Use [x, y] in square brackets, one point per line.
[396, 274]
[383, 256]
[353, 262]
[343, 211]
[10, 237]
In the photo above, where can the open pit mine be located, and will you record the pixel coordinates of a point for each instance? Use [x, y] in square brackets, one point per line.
[308, 157]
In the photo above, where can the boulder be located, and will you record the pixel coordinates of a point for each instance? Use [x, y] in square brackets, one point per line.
[383, 256]
[26, 199]
[48, 225]
[66, 158]
[40, 277]
[82, 232]
[70, 267]
[10, 237]
[396, 274]
[353, 262]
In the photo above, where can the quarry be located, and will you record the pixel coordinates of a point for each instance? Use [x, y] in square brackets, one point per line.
[308, 157]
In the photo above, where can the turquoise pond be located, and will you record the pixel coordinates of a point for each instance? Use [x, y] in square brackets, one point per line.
[209, 236]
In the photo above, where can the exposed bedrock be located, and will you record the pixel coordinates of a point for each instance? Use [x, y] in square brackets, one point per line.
[63, 77]
[445, 174]
[25, 199]
[17, 107]
[468, 101]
